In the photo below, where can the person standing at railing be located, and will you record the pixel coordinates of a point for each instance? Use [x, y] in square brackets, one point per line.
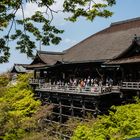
[95, 88]
[71, 82]
[79, 89]
[88, 82]
[110, 81]
[82, 83]
[75, 82]
[92, 82]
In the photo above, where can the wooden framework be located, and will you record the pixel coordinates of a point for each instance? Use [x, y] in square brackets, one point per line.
[70, 104]
[120, 61]
[70, 101]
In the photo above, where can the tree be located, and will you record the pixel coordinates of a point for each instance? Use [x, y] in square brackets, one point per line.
[17, 107]
[4, 80]
[122, 123]
[40, 25]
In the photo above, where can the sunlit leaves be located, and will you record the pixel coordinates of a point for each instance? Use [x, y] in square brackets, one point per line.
[123, 122]
[4, 79]
[17, 106]
[87, 8]
[38, 17]
[111, 2]
[25, 45]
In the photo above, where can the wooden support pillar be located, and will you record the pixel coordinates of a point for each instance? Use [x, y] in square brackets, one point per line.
[122, 70]
[34, 74]
[50, 98]
[63, 76]
[40, 95]
[41, 73]
[72, 110]
[60, 109]
[114, 77]
[95, 106]
[83, 106]
[138, 94]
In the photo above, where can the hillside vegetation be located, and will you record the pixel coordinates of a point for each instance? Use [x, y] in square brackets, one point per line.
[123, 122]
[16, 108]
[23, 118]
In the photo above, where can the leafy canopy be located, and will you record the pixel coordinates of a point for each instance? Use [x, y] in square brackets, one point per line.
[4, 80]
[120, 124]
[38, 27]
[17, 106]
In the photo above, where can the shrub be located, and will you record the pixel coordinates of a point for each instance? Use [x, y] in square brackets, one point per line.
[123, 122]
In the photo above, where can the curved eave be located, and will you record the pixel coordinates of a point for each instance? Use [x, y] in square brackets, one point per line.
[18, 69]
[37, 66]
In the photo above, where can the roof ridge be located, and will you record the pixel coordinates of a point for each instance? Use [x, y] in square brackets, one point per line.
[105, 30]
[51, 52]
[124, 21]
[20, 64]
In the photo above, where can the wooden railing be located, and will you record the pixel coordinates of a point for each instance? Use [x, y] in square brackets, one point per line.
[131, 85]
[36, 81]
[77, 89]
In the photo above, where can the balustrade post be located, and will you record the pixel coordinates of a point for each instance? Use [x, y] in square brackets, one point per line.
[126, 84]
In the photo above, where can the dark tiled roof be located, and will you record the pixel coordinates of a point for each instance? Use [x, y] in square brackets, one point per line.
[106, 44]
[34, 66]
[46, 59]
[23, 65]
[19, 68]
[100, 47]
[134, 59]
[50, 58]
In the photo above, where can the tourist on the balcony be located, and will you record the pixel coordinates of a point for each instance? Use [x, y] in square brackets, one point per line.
[110, 81]
[79, 87]
[95, 88]
[100, 83]
[88, 82]
[82, 83]
[95, 80]
[92, 82]
[71, 82]
[85, 81]
[75, 82]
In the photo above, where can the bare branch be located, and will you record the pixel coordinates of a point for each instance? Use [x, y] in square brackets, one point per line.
[11, 26]
[23, 16]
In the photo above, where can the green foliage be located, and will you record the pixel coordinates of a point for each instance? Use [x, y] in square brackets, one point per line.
[121, 123]
[43, 135]
[93, 9]
[38, 27]
[17, 106]
[4, 80]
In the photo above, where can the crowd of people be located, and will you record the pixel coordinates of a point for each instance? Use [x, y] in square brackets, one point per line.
[94, 84]
[84, 82]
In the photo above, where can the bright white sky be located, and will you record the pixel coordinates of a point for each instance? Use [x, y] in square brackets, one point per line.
[75, 32]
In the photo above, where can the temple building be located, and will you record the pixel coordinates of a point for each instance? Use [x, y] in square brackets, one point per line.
[18, 68]
[97, 70]
[113, 52]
